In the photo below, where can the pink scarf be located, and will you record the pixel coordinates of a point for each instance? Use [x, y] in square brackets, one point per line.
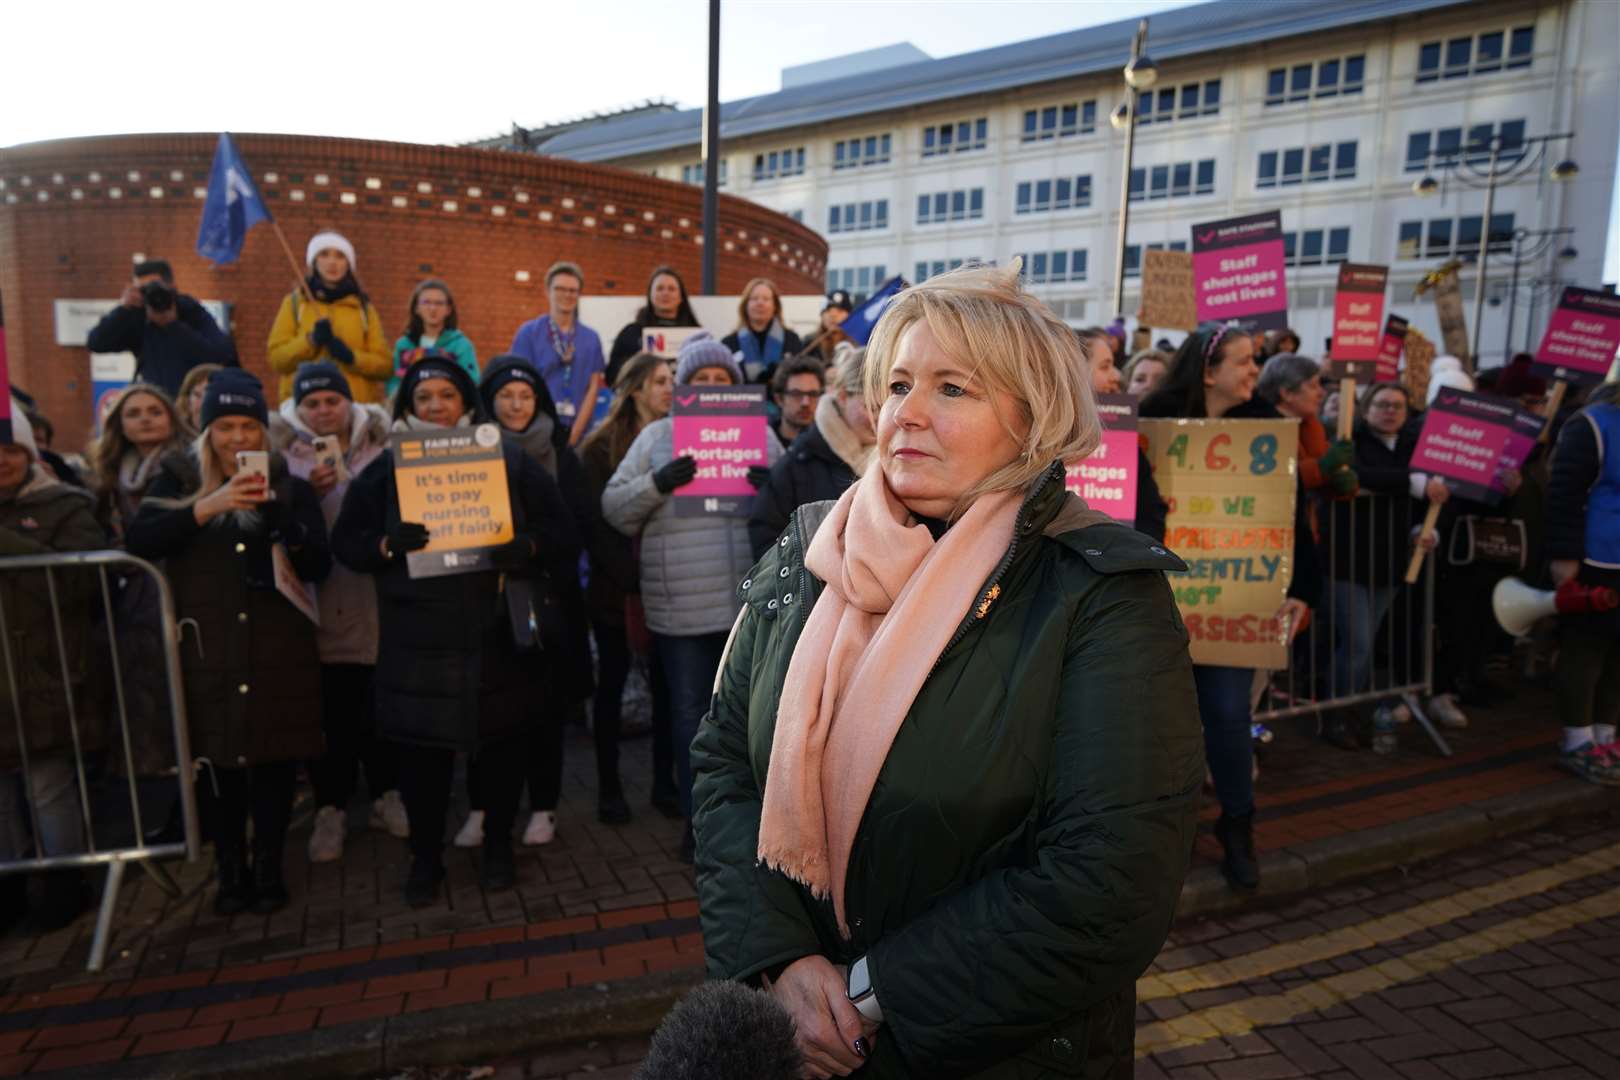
[892, 602]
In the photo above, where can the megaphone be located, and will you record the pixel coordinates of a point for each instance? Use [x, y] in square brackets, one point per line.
[1518, 606]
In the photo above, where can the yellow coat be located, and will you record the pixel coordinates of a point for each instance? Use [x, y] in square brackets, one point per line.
[361, 331]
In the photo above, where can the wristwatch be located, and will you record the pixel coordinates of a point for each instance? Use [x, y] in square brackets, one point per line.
[860, 993]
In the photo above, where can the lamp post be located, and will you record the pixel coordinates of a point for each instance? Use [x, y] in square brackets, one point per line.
[1140, 74]
[1505, 163]
[711, 156]
[1528, 245]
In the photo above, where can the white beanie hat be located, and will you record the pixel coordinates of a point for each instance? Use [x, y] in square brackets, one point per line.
[1448, 371]
[321, 241]
[22, 431]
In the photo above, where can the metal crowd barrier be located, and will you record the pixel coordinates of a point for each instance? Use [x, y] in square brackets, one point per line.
[52, 571]
[1401, 664]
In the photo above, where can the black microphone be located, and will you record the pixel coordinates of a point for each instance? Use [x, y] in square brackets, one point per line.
[724, 1031]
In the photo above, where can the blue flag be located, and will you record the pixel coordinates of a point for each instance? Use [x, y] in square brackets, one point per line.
[232, 208]
[858, 327]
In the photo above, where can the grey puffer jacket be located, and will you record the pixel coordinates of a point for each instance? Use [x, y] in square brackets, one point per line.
[690, 566]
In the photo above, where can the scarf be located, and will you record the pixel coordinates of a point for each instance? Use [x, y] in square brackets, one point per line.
[843, 441]
[536, 442]
[331, 294]
[756, 358]
[893, 599]
[135, 471]
[412, 422]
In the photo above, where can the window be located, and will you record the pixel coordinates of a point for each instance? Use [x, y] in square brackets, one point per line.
[857, 280]
[779, 163]
[1321, 162]
[926, 270]
[1425, 149]
[1409, 241]
[855, 153]
[1417, 151]
[858, 217]
[1446, 237]
[1323, 79]
[1041, 196]
[1054, 267]
[1179, 102]
[1059, 121]
[962, 205]
[1293, 166]
[1344, 161]
[955, 138]
[1133, 260]
[1159, 185]
[1171, 181]
[1338, 245]
[1481, 54]
[1316, 247]
[1265, 174]
[1206, 178]
[693, 174]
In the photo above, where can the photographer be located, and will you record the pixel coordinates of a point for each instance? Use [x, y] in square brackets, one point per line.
[168, 331]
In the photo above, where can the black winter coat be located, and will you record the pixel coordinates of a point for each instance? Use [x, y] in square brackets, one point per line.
[248, 656]
[448, 674]
[615, 570]
[810, 471]
[163, 354]
[1372, 533]
[628, 343]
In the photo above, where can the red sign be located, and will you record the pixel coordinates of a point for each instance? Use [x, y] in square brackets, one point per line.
[1358, 314]
[1389, 352]
[1582, 337]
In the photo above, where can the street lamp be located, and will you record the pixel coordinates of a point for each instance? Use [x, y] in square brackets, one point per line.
[1506, 162]
[1140, 74]
[1529, 245]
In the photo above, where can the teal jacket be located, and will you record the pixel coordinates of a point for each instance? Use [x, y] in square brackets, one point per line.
[452, 342]
[1020, 858]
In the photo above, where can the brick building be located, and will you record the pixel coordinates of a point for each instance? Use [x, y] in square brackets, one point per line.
[74, 213]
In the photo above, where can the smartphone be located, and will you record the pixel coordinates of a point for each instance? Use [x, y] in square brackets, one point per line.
[329, 453]
[254, 463]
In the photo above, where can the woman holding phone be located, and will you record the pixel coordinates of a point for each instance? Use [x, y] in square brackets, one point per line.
[224, 515]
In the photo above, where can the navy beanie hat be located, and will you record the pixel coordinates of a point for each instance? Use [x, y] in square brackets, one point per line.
[434, 365]
[324, 375]
[508, 369]
[233, 392]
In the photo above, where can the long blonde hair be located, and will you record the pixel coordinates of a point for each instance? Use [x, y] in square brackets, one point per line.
[109, 450]
[212, 476]
[748, 290]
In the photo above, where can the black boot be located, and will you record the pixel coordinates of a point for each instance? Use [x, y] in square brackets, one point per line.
[422, 883]
[611, 808]
[500, 870]
[270, 889]
[231, 870]
[1241, 867]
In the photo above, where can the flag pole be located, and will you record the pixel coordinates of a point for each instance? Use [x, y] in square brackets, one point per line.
[298, 275]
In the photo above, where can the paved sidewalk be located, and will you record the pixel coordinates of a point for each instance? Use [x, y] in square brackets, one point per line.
[601, 932]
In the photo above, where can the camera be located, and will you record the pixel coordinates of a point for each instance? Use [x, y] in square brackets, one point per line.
[158, 296]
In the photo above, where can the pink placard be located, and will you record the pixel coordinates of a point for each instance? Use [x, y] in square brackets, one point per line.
[1238, 271]
[723, 428]
[1390, 349]
[1358, 310]
[1469, 440]
[1582, 337]
[1107, 479]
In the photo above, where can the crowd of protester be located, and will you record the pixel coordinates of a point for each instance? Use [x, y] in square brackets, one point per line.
[401, 674]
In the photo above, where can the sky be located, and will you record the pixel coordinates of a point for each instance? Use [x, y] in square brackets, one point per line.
[432, 72]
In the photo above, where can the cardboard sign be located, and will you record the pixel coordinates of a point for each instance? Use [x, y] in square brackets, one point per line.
[1448, 308]
[1238, 271]
[1470, 439]
[454, 482]
[723, 429]
[1167, 291]
[1582, 337]
[666, 341]
[1230, 488]
[1107, 479]
[1419, 358]
[1389, 350]
[1358, 309]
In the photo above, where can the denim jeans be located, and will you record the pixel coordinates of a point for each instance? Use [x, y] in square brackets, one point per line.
[56, 799]
[1358, 611]
[689, 663]
[1223, 706]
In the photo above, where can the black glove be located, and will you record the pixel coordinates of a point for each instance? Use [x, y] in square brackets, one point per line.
[678, 473]
[340, 352]
[757, 475]
[513, 555]
[406, 536]
[322, 334]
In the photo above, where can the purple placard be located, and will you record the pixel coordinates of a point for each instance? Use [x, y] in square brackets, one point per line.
[1470, 439]
[1238, 271]
[723, 429]
[1582, 337]
[1107, 479]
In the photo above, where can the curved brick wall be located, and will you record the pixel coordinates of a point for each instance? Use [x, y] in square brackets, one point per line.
[74, 212]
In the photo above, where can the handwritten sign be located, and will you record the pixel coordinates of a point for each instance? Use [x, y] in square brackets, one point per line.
[1471, 439]
[1582, 337]
[1358, 308]
[1230, 489]
[1420, 354]
[723, 429]
[1238, 271]
[454, 482]
[1390, 348]
[666, 341]
[1167, 291]
[1448, 309]
[1107, 479]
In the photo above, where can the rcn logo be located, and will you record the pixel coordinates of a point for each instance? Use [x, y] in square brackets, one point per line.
[711, 506]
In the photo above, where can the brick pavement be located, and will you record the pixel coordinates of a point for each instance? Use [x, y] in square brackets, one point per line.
[599, 905]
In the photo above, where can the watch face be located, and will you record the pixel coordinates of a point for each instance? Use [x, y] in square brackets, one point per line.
[860, 983]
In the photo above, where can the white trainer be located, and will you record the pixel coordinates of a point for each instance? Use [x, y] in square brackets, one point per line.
[472, 831]
[388, 813]
[326, 842]
[542, 828]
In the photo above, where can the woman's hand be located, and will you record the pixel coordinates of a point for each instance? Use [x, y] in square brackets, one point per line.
[1437, 491]
[815, 992]
[1511, 479]
[1292, 615]
[323, 478]
[1429, 540]
[244, 491]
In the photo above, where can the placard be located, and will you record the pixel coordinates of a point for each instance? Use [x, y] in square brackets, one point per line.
[1230, 489]
[109, 374]
[454, 482]
[1390, 349]
[1167, 291]
[1582, 337]
[1107, 479]
[1420, 355]
[1358, 309]
[666, 341]
[1448, 308]
[723, 428]
[1238, 271]
[1470, 439]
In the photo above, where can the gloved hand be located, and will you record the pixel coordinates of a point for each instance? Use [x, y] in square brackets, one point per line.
[516, 554]
[1344, 482]
[757, 475]
[340, 352]
[678, 473]
[1339, 455]
[322, 334]
[407, 536]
